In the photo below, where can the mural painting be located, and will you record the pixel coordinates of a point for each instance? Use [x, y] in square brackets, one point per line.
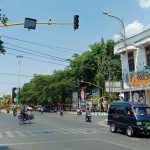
[137, 96]
[140, 78]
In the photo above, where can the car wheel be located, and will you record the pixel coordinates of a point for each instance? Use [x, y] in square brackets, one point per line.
[113, 128]
[129, 131]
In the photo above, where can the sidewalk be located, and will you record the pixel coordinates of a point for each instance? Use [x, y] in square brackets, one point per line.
[4, 111]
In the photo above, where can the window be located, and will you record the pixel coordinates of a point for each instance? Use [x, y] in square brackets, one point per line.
[129, 112]
[120, 110]
[131, 61]
[112, 110]
[147, 51]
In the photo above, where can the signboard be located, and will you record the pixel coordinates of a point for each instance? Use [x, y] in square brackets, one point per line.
[138, 79]
[95, 96]
[83, 95]
[75, 99]
[137, 96]
[113, 86]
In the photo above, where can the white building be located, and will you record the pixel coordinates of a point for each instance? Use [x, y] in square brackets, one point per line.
[138, 48]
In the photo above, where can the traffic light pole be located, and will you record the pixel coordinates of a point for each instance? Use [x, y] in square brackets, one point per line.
[48, 23]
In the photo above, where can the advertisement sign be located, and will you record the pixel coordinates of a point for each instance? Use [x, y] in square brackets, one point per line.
[83, 95]
[137, 96]
[95, 96]
[140, 78]
[75, 99]
[82, 99]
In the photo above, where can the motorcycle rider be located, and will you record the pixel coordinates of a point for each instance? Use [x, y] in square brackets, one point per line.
[87, 112]
[61, 111]
[23, 112]
[15, 111]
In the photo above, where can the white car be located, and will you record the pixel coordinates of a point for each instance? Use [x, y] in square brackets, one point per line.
[30, 108]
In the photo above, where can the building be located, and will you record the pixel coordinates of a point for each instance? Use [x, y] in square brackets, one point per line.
[138, 49]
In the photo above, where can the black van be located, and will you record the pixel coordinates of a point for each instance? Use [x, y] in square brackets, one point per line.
[131, 117]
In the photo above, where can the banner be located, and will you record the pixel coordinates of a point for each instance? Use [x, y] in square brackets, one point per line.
[75, 99]
[83, 95]
[95, 96]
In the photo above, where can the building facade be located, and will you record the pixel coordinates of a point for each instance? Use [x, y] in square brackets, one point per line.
[138, 50]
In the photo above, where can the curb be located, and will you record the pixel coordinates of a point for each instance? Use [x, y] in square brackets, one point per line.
[93, 114]
[104, 123]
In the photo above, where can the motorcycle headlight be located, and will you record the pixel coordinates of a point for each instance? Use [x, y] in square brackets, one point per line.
[138, 123]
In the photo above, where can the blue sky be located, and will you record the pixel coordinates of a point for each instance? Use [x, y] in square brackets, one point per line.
[93, 26]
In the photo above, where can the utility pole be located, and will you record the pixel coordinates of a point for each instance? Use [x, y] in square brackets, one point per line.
[109, 79]
[18, 80]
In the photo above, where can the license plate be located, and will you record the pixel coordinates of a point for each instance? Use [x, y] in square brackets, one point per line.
[148, 127]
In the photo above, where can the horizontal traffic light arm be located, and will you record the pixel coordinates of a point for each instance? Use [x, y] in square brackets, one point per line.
[48, 23]
[94, 85]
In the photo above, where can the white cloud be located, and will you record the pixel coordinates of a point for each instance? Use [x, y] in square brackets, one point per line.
[117, 37]
[144, 3]
[133, 29]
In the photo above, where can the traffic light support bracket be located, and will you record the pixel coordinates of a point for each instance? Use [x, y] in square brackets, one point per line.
[48, 23]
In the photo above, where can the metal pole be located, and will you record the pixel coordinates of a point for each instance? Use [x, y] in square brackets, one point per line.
[48, 23]
[18, 80]
[109, 81]
[122, 22]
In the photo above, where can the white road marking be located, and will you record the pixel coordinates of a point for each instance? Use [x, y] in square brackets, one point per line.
[69, 130]
[20, 134]
[95, 130]
[1, 135]
[102, 123]
[76, 140]
[30, 133]
[59, 130]
[50, 132]
[9, 134]
[82, 131]
[135, 139]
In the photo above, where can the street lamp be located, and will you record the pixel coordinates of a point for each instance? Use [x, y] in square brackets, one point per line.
[18, 81]
[124, 36]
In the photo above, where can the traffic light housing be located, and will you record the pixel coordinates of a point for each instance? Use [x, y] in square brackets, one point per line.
[76, 22]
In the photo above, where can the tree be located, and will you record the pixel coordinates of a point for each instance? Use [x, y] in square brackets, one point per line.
[94, 65]
[3, 20]
[7, 98]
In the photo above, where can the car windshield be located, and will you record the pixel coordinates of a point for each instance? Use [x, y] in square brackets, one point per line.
[140, 111]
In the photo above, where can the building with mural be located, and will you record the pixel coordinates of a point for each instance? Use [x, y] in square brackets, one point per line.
[138, 49]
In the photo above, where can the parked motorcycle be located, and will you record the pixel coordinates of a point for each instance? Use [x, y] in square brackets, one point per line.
[88, 117]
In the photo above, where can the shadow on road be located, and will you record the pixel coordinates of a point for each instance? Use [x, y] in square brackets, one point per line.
[6, 148]
[137, 135]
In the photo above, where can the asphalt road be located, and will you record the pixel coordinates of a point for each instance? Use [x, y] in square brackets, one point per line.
[68, 132]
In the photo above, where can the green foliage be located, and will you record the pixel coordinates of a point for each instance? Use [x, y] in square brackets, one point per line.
[3, 18]
[2, 49]
[91, 66]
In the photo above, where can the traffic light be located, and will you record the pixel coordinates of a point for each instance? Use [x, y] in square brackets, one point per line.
[76, 22]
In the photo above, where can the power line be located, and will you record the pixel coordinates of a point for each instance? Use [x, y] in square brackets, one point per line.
[44, 45]
[15, 74]
[37, 59]
[34, 51]
[33, 54]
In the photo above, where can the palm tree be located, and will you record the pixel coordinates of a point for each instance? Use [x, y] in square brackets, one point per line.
[7, 98]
